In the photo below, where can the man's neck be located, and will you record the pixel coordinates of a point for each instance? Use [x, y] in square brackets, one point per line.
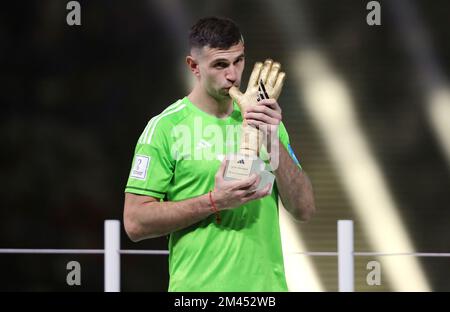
[210, 105]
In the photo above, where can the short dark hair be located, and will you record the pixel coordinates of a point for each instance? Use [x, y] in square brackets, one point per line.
[215, 32]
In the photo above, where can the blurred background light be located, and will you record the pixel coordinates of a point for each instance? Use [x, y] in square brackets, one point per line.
[331, 107]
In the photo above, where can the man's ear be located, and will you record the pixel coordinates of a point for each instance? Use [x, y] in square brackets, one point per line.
[193, 65]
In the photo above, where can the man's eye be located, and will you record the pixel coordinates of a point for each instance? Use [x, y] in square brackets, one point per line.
[221, 65]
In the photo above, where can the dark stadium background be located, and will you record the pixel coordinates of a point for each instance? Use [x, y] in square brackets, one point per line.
[74, 100]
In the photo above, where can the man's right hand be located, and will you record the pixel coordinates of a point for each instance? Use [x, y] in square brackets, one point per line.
[232, 194]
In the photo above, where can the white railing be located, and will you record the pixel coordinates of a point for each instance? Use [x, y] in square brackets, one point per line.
[112, 253]
[345, 255]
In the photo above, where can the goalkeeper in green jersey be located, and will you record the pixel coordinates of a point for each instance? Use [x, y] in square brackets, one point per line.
[224, 234]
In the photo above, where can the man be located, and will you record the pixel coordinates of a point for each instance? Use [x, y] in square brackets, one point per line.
[170, 191]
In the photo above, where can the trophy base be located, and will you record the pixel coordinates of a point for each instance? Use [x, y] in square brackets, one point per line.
[240, 167]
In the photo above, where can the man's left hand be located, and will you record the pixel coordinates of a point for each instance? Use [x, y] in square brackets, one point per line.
[265, 115]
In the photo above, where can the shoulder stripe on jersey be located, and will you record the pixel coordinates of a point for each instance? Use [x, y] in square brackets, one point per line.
[144, 133]
[150, 124]
[180, 107]
[143, 137]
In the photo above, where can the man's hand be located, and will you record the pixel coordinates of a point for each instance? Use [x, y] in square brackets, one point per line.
[232, 194]
[265, 115]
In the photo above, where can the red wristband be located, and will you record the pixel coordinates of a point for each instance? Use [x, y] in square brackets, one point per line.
[214, 208]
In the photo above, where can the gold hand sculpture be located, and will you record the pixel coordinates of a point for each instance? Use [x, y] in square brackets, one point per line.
[271, 77]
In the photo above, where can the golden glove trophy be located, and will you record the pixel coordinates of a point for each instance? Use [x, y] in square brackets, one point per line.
[266, 81]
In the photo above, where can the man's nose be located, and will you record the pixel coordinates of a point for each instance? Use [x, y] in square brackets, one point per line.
[231, 74]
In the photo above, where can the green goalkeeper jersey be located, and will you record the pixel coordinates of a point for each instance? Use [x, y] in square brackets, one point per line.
[176, 158]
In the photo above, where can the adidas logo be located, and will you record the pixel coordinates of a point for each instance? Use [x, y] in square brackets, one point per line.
[241, 161]
[203, 144]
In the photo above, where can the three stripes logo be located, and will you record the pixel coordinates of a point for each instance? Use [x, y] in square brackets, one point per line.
[241, 161]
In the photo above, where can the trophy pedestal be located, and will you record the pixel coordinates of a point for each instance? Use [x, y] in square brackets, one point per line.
[240, 167]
